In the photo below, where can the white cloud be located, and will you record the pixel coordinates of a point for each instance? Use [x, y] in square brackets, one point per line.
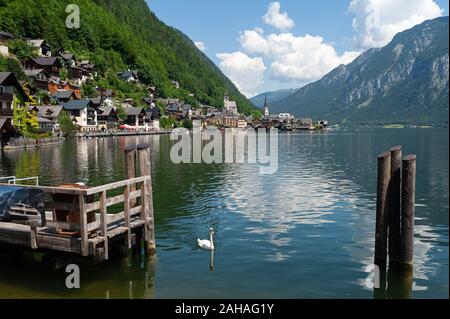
[254, 41]
[376, 22]
[246, 73]
[299, 58]
[200, 45]
[277, 19]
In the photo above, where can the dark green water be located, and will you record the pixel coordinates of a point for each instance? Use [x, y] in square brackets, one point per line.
[305, 232]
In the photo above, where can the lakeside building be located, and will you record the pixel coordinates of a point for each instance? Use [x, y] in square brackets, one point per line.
[48, 117]
[10, 89]
[83, 114]
[136, 117]
[242, 123]
[107, 118]
[230, 119]
[286, 116]
[7, 131]
[303, 124]
[153, 116]
[213, 119]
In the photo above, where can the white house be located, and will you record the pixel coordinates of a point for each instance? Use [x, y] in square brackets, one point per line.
[83, 113]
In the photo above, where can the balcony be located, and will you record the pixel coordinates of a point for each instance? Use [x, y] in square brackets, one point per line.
[7, 97]
[6, 112]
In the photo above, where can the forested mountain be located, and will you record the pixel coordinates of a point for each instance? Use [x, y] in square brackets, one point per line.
[124, 34]
[406, 81]
[271, 96]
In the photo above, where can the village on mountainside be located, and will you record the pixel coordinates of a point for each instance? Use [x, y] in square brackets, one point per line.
[59, 89]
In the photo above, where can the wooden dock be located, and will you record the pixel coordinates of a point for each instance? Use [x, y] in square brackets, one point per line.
[97, 226]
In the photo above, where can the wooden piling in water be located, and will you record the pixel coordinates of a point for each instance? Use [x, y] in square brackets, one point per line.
[395, 191]
[381, 232]
[408, 211]
[144, 156]
[130, 167]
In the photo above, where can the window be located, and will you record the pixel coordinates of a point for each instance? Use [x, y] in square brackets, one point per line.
[1, 89]
[8, 105]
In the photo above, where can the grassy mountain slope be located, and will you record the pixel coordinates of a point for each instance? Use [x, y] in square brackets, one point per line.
[406, 81]
[118, 34]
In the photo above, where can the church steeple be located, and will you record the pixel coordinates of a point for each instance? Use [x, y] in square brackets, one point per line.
[266, 107]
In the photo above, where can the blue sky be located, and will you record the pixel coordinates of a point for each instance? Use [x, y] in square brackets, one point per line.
[298, 41]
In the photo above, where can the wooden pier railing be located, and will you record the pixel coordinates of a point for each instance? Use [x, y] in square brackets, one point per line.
[93, 217]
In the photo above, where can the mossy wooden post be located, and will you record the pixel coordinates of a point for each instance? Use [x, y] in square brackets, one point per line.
[381, 232]
[400, 284]
[395, 198]
[83, 226]
[144, 155]
[130, 167]
[408, 212]
[104, 223]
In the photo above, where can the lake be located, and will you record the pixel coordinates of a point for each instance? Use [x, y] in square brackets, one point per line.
[305, 232]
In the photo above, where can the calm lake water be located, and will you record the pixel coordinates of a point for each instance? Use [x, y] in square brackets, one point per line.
[305, 232]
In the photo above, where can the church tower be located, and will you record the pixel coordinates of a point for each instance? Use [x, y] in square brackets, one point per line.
[266, 108]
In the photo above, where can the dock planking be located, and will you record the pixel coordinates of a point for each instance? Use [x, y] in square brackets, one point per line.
[97, 228]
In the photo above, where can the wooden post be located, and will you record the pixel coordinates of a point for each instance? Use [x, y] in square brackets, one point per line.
[144, 155]
[408, 212]
[130, 167]
[381, 232]
[144, 217]
[127, 214]
[400, 284]
[395, 193]
[83, 226]
[104, 223]
[33, 233]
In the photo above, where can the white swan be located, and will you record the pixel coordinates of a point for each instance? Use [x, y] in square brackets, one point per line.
[207, 244]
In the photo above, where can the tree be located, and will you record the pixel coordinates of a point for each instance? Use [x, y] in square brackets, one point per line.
[12, 65]
[66, 125]
[21, 49]
[25, 121]
[64, 74]
[121, 114]
[167, 122]
[88, 90]
[187, 123]
[257, 114]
